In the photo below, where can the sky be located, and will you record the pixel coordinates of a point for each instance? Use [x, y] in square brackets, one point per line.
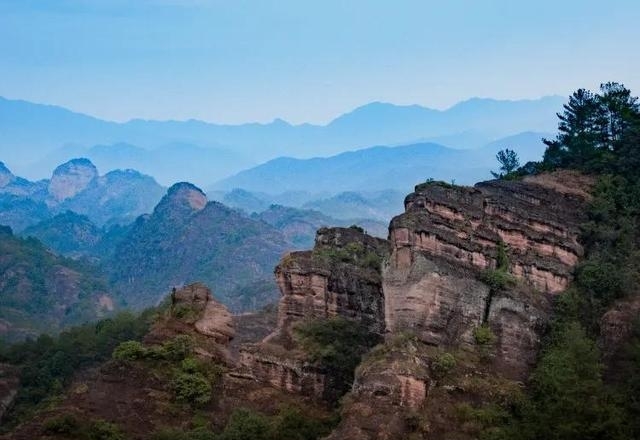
[237, 61]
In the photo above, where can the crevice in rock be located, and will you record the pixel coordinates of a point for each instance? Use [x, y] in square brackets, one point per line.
[487, 305]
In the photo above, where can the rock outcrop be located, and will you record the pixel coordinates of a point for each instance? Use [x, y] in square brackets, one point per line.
[195, 312]
[449, 239]
[340, 277]
[71, 178]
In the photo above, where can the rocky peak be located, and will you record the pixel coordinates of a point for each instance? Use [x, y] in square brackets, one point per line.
[71, 178]
[183, 197]
[6, 176]
[194, 311]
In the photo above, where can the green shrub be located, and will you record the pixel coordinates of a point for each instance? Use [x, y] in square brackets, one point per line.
[442, 364]
[129, 351]
[178, 348]
[65, 424]
[483, 335]
[336, 345]
[246, 425]
[484, 417]
[292, 424]
[192, 388]
[190, 365]
[498, 279]
[101, 430]
[185, 312]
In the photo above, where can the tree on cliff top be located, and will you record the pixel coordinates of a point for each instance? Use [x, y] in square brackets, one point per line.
[594, 130]
[509, 163]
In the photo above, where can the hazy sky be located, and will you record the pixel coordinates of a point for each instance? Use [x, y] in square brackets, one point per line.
[234, 61]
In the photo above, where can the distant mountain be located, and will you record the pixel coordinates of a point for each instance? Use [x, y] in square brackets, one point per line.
[170, 163]
[118, 197]
[69, 234]
[34, 131]
[299, 226]
[381, 168]
[380, 206]
[42, 292]
[188, 239]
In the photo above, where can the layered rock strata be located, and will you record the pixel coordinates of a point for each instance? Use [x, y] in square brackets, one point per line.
[450, 238]
[339, 277]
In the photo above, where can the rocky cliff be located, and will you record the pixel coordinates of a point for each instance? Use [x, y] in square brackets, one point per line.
[471, 275]
[339, 277]
[446, 246]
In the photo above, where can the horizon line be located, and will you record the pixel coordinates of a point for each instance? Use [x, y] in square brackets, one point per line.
[276, 120]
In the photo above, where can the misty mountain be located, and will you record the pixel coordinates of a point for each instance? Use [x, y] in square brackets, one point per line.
[381, 168]
[34, 131]
[188, 239]
[299, 226]
[170, 163]
[117, 197]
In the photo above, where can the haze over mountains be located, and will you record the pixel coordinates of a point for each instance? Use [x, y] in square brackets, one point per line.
[35, 135]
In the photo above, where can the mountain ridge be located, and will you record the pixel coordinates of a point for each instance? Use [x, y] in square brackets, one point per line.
[31, 130]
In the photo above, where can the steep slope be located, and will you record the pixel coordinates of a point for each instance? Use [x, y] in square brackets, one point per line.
[178, 377]
[339, 278]
[41, 292]
[186, 239]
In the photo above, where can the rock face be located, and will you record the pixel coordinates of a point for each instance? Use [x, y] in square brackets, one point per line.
[391, 381]
[340, 277]
[71, 178]
[449, 236]
[183, 196]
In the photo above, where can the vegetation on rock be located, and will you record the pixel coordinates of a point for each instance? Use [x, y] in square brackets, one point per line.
[337, 345]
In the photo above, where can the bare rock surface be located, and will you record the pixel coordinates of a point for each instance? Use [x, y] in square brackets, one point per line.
[71, 178]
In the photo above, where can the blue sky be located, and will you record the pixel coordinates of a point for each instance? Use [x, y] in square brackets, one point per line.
[234, 61]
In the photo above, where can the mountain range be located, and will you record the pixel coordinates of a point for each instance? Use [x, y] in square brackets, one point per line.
[382, 168]
[117, 197]
[203, 152]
